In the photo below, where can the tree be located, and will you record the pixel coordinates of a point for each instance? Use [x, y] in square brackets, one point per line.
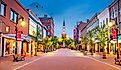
[90, 36]
[84, 42]
[72, 45]
[55, 43]
[60, 40]
[68, 41]
[102, 34]
[45, 43]
[39, 37]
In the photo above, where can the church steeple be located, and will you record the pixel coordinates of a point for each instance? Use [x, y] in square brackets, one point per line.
[63, 22]
[64, 30]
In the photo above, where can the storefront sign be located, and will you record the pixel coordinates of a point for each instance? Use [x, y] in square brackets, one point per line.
[114, 34]
[32, 28]
[19, 35]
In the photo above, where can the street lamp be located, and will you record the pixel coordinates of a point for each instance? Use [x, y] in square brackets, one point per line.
[80, 39]
[16, 29]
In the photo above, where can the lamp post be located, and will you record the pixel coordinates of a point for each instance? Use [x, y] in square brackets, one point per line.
[118, 48]
[16, 29]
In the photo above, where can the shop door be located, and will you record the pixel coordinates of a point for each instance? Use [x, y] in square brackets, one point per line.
[24, 47]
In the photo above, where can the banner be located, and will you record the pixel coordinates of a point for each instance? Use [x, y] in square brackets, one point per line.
[114, 34]
[19, 35]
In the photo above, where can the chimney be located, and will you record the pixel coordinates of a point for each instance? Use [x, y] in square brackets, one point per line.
[45, 15]
[87, 20]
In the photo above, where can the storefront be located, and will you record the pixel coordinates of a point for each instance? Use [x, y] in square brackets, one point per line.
[26, 45]
[33, 35]
[9, 48]
[97, 45]
[119, 41]
[9, 44]
[33, 47]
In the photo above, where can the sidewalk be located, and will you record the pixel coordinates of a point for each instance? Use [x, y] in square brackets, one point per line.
[109, 59]
[6, 63]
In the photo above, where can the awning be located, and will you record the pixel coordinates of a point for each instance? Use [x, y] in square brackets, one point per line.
[12, 36]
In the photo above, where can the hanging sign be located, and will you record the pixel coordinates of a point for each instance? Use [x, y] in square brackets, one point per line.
[19, 35]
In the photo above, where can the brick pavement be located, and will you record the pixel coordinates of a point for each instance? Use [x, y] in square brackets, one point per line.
[109, 59]
[6, 63]
[66, 59]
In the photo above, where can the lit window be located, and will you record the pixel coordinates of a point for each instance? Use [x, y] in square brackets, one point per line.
[13, 16]
[7, 29]
[3, 9]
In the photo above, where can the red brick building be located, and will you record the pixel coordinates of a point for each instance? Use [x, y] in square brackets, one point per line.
[49, 24]
[10, 13]
[78, 30]
[81, 27]
[75, 33]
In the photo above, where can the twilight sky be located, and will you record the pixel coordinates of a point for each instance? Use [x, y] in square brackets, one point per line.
[72, 11]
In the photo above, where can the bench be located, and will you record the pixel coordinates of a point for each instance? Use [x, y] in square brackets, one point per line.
[117, 60]
[18, 58]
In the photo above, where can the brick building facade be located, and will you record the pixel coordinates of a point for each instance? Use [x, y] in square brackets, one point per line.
[49, 24]
[10, 14]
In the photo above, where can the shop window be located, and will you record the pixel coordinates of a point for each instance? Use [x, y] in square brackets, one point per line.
[13, 16]
[106, 21]
[103, 22]
[3, 9]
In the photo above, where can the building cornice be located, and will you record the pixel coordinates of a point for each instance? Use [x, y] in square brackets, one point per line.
[21, 5]
[113, 3]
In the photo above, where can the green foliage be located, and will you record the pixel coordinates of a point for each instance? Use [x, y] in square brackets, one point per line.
[89, 38]
[102, 35]
[68, 41]
[72, 45]
[45, 42]
[84, 41]
[39, 34]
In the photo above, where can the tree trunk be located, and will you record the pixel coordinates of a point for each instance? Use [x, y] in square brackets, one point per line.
[104, 54]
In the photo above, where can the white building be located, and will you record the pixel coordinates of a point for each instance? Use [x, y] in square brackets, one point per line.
[104, 17]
